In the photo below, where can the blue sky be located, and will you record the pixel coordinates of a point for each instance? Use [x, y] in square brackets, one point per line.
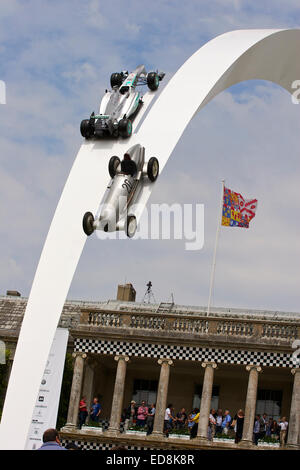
[56, 60]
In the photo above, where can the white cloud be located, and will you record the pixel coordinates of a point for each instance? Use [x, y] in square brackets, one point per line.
[57, 64]
[95, 17]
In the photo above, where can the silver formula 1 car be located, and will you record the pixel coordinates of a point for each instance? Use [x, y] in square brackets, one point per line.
[127, 180]
[119, 106]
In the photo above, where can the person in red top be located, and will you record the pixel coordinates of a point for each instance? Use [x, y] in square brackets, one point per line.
[82, 411]
[142, 414]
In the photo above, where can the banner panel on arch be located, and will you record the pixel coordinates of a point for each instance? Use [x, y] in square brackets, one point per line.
[46, 407]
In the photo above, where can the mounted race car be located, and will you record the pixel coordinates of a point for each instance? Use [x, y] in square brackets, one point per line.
[119, 107]
[127, 176]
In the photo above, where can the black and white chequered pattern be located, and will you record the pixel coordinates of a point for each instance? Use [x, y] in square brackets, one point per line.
[88, 445]
[91, 445]
[185, 353]
[105, 425]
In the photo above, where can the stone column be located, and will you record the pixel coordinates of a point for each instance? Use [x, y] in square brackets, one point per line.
[75, 390]
[294, 420]
[117, 402]
[250, 406]
[206, 400]
[88, 383]
[162, 395]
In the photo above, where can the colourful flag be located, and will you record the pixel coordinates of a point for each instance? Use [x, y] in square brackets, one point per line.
[237, 211]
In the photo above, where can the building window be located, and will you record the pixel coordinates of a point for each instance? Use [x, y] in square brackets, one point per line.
[144, 390]
[269, 402]
[214, 398]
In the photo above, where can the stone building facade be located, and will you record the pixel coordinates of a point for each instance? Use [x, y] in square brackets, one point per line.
[125, 350]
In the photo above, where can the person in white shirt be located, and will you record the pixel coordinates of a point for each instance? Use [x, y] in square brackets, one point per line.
[168, 422]
[283, 424]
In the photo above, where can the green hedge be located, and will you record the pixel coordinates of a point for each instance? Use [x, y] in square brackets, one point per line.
[134, 427]
[179, 432]
[269, 440]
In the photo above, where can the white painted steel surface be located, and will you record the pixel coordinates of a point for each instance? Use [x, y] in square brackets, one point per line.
[228, 59]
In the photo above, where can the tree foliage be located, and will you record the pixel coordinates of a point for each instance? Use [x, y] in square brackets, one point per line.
[65, 392]
[4, 370]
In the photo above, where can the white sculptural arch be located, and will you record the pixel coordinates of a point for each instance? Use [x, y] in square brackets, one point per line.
[224, 61]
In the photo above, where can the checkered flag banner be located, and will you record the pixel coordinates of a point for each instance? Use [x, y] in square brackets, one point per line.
[184, 353]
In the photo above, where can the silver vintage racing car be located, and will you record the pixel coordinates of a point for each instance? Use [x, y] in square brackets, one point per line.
[119, 106]
[127, 180]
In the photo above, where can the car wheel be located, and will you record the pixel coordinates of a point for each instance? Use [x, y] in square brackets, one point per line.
[116, 80]
[85, 128]
[113, 165]
[153, 81]
[131, 226]
[125, 128]
[88, 223]
[152, 169]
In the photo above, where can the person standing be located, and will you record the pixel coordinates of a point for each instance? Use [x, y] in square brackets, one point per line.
[181, 419]
[131, 412]
[212, 424]
[256, 430]
[238, 422]
[95, 410]
[263, 425]
[51, 440]
[168, 421]
[195, 420]
[275, 430]
[142, 414]
[226, 422]
[150, 419]
[269, 427]
[219, 421]
[83, 413]
[123, 416]
[172, 419]
[190, 421]
[283, 425]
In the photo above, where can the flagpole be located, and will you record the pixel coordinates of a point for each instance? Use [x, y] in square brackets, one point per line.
[212, 276]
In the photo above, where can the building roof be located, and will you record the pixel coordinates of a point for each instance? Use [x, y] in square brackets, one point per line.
[12, 310]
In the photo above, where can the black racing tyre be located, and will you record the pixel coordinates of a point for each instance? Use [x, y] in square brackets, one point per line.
[153, 81]
[152, 169]
[86, 129]
[113, 165]
[125, 128]
[116, 79]
[88, 223]
[131, 226]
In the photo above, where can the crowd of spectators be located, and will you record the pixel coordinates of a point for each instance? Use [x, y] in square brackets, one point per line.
[220, 424]
[142, 416]
[269, 427]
